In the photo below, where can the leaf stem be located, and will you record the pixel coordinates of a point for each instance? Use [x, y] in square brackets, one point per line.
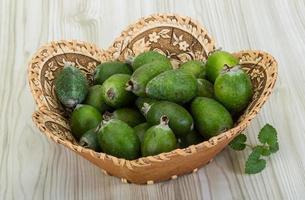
[250, 146]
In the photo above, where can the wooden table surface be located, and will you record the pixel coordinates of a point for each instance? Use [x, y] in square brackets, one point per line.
[33, 167]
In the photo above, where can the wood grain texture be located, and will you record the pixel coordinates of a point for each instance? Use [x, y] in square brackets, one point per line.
[32, 167]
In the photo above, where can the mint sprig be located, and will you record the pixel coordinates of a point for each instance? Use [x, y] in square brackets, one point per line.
[269, 144]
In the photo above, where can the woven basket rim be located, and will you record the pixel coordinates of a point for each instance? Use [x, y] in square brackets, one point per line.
[162, 20]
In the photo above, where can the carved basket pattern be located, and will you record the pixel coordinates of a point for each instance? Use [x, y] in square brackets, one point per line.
[181, 39]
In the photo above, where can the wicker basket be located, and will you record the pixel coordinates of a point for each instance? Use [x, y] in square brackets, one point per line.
[180, 38]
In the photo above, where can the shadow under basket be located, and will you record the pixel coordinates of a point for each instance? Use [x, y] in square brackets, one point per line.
[181, 39]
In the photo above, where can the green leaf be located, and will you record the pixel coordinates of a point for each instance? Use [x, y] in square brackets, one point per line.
[238, 143]
[268, 135]
[254, 163]
[265, 150]
[274, 148]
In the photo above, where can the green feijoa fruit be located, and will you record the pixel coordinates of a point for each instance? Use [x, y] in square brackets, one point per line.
[114, 92]
[191, 138]
[71, 86]
[89, 140]
[180, 121]
[148, 57]
[104, 70]
[216, 61]
[158, 139]
[118, 139]
[84, 118]
[205, 88]
[173, 85]
[233, 88]
[128, 115]
[95, 98]
[195, 67]
[211, 118]
[140, 130]
[203, 74]
[144, 74]
[141, 101]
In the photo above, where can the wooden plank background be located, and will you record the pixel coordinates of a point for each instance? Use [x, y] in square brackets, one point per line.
[32, 167]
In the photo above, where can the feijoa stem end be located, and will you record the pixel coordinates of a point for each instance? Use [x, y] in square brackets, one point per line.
[110, 93]
[129, 85]
[226, 68]
[146, 107]
[83, 143]
[164, 120]
[107, 116]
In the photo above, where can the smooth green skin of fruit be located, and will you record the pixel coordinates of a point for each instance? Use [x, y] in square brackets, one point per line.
[118, 139]
[193, 66]
[84, 118]
[148, 57]
[89, 140]
[173, 85]
[71, 86]
[203, 74]
[233, 89]
[216, 62]
[191, 138]
[205, 88]
[140, 130]
[131, 116]
[114, 92]
[211, 118]
[180, 121]
[144, 74]
[104, 70]
[95, 98]
[158, 139]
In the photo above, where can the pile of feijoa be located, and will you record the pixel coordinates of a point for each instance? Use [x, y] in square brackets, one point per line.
[147, 107]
